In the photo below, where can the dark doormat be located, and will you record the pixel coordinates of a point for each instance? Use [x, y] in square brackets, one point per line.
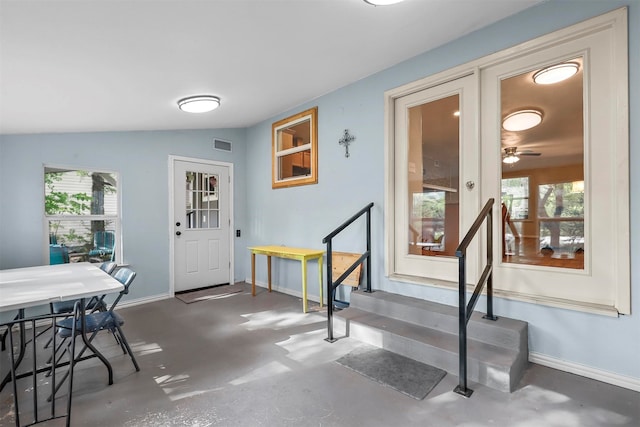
[214, 292]
[408, 376]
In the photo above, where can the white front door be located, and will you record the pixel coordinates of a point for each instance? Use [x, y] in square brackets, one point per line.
[201, 225]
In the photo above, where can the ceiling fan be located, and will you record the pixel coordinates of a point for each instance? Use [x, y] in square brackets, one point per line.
[512, 155]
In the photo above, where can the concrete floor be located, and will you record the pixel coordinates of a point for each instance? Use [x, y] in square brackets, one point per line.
[259, 361]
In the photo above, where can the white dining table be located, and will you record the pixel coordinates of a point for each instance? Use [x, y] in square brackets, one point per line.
[33, 286]
[22, 288]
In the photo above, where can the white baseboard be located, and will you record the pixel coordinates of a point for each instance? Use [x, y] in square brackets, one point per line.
[586, 371]
[140, 301]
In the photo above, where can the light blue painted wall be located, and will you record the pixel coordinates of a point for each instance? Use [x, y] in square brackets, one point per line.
[141, 159]
[303, 216]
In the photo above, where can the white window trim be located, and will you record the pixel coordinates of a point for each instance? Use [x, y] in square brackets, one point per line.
[620, 244]
[117, 218]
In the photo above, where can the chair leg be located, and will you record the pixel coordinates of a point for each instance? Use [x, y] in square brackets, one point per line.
[123, 339]
[3, 338]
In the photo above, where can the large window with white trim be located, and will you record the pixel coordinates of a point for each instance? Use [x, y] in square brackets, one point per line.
[81, 210]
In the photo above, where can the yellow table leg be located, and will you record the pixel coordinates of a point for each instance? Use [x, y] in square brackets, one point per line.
[253, 274]
[320, 278]
[304, 285]
[269, 271]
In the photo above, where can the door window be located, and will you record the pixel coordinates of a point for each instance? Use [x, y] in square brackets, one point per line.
[431, 205]
[202, 208]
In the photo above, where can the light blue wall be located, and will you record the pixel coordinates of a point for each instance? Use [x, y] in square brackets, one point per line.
[141, 159]
[303, 216]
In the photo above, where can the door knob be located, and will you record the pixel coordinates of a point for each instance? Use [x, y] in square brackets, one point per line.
[178, 233]
[177, 224]
[470, 185]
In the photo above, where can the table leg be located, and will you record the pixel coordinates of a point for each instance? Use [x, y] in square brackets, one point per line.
[253, 274]
[304, 285]
[320, 278]
[269, 271]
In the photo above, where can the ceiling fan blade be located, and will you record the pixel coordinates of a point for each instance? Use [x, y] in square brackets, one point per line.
[527, 153]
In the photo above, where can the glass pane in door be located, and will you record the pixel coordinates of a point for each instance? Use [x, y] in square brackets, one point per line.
[542, 141]
[433, 177]
[202, 209]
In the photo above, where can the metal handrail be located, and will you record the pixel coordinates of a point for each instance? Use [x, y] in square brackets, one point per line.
[465, 310]
[331, 285]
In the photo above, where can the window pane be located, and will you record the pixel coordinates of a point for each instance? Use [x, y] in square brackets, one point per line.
[78, 192]
[78, 240]
[544, 157]
[201, 204]
[433, 137]
[296, 164]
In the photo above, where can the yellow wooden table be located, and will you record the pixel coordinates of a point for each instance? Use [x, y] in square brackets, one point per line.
[300, 254]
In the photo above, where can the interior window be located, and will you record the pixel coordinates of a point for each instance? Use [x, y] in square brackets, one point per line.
[81, 212]
[295, 150]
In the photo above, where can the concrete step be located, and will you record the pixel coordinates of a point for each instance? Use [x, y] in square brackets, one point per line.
[497, 351]
[508, 333]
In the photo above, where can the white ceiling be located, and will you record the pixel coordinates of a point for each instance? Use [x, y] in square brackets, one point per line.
[104, 65]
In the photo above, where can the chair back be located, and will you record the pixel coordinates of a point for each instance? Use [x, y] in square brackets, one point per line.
[125, 276]
[58, 254]
[104, 243]
[108, 266]
[104, 240]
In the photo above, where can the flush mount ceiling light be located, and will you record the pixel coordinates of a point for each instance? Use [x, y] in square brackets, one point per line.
[556, 73]
[199, 104]
[382, 2]
[522, 120]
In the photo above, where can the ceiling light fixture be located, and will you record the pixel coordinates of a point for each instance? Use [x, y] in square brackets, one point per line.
[556, 73]
[382, 2]
[522, 120]
[199, 103]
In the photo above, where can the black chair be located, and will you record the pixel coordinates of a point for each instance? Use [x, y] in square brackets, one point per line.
[95, 303]
[98, 321]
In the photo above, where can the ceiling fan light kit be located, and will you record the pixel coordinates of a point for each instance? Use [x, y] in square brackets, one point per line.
[510, 156]
[199, 103]
[556, 73]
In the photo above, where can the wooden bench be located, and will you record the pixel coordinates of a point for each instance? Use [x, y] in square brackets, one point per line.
[340, 262]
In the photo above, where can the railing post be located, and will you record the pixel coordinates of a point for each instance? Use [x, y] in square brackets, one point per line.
[461, 388]
[369, 250]
[330, 337]
[489, 314]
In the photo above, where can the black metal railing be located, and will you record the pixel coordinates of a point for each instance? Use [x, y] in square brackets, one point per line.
[465, 310]
[331, 285]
